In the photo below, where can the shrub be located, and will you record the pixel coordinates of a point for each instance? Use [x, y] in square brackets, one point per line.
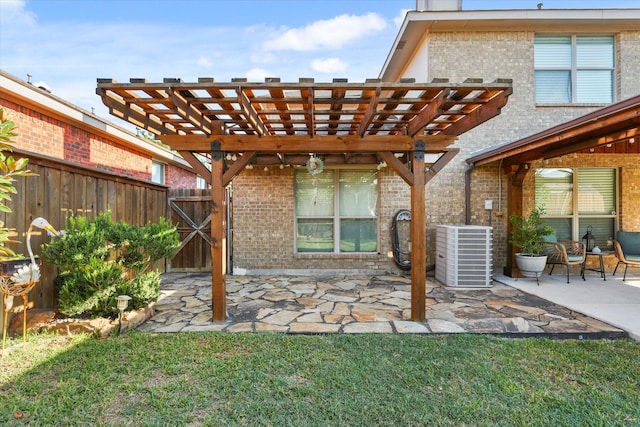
[529, 232]
[99, 259]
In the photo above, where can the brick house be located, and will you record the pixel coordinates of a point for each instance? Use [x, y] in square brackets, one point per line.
[286, 217]
[566, 67]
[271, 227]
[457, 45]
[84, 165]
[52, 127]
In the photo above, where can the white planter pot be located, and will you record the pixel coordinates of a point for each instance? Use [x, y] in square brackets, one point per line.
[531, 266]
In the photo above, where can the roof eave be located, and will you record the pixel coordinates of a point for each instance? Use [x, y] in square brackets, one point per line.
[417, 24]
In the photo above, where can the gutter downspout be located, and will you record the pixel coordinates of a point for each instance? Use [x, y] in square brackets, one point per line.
[467, 193]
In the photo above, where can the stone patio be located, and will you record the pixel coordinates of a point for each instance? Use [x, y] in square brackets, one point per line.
[362, 304]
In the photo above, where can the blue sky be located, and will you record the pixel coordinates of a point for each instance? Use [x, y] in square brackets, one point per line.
[68, 44]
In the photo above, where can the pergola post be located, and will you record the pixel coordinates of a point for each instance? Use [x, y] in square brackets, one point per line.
[515, 179]
[418, 236]
[218, 235]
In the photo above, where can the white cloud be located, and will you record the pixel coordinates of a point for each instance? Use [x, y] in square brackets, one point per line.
[204, 62]
[263, 57]
[13, 13]
[70, 55]
[332, 33]
[398, 20]
[258, 74]
[329, 65]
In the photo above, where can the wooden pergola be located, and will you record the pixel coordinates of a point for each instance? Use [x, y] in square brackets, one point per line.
[221, 128]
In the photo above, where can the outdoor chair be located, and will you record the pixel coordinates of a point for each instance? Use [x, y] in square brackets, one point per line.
[627, 250]
[564, 252]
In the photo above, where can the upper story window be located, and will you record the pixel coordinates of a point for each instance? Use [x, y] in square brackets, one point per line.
[574, 69]
[575, 199]
[336, 211]
[157, 172]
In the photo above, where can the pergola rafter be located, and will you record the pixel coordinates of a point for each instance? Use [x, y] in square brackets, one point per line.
[221, 128]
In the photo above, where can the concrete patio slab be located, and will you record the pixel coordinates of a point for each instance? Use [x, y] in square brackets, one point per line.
[612, 301]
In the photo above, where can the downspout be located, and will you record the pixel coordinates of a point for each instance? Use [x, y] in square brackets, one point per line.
[467, 193]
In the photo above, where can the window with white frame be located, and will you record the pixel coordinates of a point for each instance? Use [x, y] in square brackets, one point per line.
[201, 183]
[157, 172]
[336, 211]
[574, 69]
[574, 199]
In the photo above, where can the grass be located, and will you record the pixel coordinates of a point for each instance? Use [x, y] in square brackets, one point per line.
[223, 379]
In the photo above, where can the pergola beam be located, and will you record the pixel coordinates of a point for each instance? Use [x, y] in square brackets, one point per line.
[237, 167]
[428, 113]
[442, 161]
[184, 109]
[479, 115]
[622, 136]
[369, 113]
[304, 144]
[398, 167]
[197, 165]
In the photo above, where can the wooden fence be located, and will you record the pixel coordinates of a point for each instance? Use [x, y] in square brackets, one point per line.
[61, 189]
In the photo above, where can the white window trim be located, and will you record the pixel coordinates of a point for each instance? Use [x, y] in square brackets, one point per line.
[574, 70]
[336, 218]
[575, 216]
[164, 172]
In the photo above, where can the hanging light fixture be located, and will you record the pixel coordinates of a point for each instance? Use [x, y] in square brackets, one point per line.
[315, 166]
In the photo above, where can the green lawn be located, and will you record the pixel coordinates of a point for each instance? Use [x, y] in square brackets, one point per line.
[224, 379]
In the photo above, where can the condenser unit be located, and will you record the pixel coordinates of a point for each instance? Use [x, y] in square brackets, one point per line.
[464, 255]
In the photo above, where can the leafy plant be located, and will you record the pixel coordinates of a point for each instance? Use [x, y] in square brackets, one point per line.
[529, 232]
[99, 259]
[9, 169]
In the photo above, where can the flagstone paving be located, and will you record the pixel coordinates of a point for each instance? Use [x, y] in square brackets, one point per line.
[361, 304]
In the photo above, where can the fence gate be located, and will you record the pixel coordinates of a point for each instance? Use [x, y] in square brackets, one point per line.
[190, 209]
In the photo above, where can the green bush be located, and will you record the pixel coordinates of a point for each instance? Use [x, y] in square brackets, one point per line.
[99, 259]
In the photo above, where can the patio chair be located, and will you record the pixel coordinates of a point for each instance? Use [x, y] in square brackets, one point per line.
[564, 252]
[627, 249]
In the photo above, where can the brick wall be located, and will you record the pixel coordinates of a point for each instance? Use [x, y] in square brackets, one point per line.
[485, 185]
[492, 55]
[263, 223]
[628, 63]
[43, 134]
[263, 202]
[179, 178]
[628, 173]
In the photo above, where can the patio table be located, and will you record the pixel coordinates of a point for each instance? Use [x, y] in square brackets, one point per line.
[600, 268]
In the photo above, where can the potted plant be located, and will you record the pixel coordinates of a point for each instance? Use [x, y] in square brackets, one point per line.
[529, 234]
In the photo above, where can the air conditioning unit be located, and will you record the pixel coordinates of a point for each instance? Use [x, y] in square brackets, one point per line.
[464, 255]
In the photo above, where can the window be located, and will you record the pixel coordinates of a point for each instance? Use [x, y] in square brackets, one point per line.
[336, 211]
[574, 199]
[157, 172]
[574, 69]
[201, 183]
